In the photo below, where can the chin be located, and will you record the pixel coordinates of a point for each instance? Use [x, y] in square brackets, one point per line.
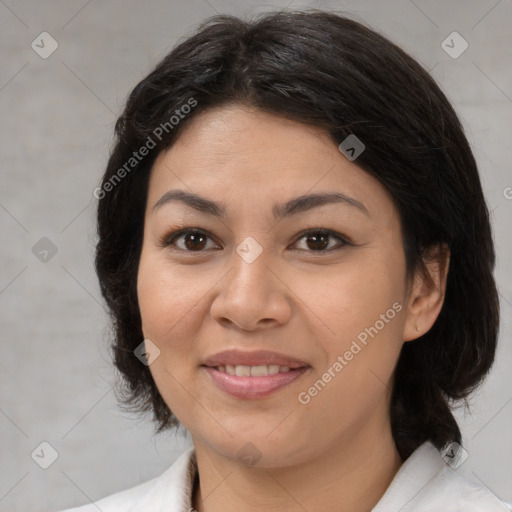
[258, 443]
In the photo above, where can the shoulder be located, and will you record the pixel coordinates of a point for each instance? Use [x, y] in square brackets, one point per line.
[426, 483]
[168, 491]
[450, 488]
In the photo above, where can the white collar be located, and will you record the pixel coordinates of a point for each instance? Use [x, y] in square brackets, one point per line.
[424, 483]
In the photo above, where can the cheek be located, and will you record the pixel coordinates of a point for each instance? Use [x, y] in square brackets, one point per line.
[353, 382]
[360, 307]
[168, 301]
[167, 296]
[350, 298]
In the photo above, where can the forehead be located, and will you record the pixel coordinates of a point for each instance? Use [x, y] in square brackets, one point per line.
[243, 156]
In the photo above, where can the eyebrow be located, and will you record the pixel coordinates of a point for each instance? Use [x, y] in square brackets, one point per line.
[292, 207]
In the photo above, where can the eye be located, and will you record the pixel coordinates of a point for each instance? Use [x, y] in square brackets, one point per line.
[317, 240]
[194, 240]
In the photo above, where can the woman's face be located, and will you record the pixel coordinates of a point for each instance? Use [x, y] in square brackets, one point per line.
[333, 309]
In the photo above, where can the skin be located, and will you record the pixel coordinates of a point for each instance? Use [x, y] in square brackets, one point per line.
[337, 450]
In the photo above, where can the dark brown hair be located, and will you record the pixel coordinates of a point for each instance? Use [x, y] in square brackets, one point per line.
[325, 70]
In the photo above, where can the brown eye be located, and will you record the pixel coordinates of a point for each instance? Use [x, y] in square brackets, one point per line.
[195, 241]
[316, 240]
[319, 240]
[191, 240]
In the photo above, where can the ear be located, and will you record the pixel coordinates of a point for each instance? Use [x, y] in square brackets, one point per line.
[426, 294]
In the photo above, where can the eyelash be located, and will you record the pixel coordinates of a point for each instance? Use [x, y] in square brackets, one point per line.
[169, 239]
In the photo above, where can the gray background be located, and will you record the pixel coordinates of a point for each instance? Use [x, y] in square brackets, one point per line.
[56, 125]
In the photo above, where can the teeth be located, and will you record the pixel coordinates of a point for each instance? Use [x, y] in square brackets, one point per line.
[242, 371]
[273, 369]
[259, 371]
[253, 371]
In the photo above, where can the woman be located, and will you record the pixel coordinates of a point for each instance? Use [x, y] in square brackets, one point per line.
[297, 255]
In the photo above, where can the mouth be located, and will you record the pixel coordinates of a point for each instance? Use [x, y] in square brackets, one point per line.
[251, 375]
[261, 370]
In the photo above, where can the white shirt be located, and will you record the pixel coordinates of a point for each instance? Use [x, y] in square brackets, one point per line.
[424, 483]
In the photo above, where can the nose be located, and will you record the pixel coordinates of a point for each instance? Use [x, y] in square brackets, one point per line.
[252, 295]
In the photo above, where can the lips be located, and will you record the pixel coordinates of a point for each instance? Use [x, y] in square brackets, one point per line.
[255, 358]
[253, 374]
[253, 371]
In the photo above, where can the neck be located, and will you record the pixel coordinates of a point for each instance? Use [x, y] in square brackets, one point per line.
[348, 476]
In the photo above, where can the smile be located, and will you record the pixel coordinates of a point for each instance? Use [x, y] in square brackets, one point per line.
[253, 382]
[253, 371]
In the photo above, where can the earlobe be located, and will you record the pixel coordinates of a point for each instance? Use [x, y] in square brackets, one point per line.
[428, 291]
